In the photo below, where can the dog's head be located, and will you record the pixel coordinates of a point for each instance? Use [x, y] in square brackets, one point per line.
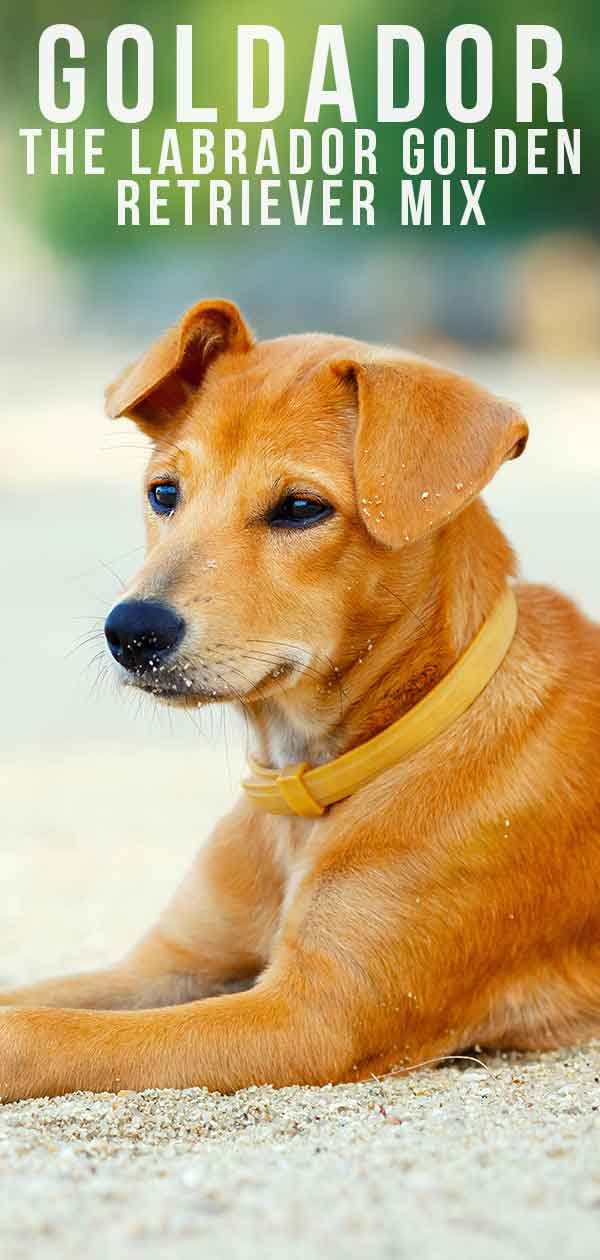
[292, 485]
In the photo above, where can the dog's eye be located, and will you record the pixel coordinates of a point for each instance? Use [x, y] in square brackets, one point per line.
[163, 497]
[297, 512]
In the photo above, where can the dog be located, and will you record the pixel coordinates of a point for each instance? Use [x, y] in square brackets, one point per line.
[414, 865]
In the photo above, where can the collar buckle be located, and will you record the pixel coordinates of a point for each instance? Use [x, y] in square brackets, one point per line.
[291, 784]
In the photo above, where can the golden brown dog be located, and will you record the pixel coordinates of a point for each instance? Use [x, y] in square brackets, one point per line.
[318, 553]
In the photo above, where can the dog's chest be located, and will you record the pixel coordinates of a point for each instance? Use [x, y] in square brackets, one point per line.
[289, 744]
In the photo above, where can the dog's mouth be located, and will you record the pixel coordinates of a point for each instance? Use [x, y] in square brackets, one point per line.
[181, 686]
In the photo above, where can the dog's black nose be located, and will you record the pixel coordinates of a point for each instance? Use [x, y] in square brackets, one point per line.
[141, 633]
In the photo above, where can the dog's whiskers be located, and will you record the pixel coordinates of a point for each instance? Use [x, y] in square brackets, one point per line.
[294, 660]
[85, 641]
[331, 671]
[113, 573]
[410, 610]
[100, 676]
[281, 663]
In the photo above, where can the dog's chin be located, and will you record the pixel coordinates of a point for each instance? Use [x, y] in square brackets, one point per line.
[181, 692]
[189, 700]
[176, 695]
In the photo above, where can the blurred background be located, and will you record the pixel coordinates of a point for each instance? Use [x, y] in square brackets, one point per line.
[104, 799]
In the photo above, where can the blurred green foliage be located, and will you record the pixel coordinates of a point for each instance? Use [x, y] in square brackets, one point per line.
[79, 213]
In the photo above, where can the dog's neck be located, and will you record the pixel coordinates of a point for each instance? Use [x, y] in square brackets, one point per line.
[415, 636]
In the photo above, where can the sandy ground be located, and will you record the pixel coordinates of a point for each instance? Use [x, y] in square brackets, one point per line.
[102, 806]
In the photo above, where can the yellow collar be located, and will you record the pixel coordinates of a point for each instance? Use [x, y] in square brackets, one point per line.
[307, 792]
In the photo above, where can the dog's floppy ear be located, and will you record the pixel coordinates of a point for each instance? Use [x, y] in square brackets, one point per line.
[152, 390]
[427, 441]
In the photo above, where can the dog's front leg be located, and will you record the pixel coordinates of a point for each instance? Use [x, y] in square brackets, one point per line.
[363, 975]
[214, 935]
[269, 1034]
[121, 987]
[318, 1011]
